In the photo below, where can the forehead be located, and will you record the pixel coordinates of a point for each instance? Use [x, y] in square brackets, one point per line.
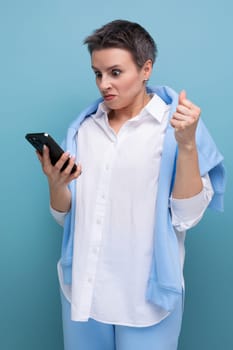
[111, 57]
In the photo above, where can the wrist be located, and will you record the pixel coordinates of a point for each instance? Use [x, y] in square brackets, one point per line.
[188, 147]
[60, 200]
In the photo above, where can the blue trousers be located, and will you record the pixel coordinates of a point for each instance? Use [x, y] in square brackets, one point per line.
[93, 335]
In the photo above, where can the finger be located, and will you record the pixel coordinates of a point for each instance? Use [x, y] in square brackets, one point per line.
[77, 172]
[182, 97]
[79, 169]
[62, 160]
[46, 161]
[45, 153]
[183, 101]
[185, 116]
[69, 176]
[178, 125]
[183, 110]
[68, 166]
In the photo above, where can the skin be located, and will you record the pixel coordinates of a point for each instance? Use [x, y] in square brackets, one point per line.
[188, 181]
[122, 84]
[60, 196]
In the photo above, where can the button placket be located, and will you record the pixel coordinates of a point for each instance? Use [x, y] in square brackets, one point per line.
[97, 231]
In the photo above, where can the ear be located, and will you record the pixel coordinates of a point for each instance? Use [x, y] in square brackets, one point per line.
[147, 69]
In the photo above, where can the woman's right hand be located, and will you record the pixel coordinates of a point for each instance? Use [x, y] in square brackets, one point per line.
[60, 197]
[55, 176]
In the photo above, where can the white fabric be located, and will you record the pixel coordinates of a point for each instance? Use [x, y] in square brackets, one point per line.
[116, 202]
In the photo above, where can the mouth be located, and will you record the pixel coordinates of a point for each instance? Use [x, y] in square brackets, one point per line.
[108, 97]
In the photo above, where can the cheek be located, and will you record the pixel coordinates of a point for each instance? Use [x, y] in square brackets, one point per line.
[131, 85]
[97, 83]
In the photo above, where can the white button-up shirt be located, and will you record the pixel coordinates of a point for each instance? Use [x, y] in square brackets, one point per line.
[115, 216]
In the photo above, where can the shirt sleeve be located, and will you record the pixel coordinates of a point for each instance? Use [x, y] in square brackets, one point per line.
[186, 213]
[58, 216]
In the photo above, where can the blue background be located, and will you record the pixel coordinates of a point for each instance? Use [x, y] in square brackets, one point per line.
[45, 81]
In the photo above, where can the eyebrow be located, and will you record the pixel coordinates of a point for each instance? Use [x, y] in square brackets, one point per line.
[109, 68]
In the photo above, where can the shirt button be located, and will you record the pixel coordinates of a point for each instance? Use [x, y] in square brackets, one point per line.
[89, 280]
[98, 221]
[107, 166]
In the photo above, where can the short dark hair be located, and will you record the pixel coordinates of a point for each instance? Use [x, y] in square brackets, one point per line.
[126, 35]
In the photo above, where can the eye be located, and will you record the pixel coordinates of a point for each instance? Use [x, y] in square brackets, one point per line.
[97, 74]
[116, 72]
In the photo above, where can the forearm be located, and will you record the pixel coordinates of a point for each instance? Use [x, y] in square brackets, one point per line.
[188, 181]
[60, 198]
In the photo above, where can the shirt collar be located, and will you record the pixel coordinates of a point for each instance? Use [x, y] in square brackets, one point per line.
[101, 110]
[156, 107]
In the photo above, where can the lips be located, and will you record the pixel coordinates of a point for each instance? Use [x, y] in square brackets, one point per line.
[108, 97]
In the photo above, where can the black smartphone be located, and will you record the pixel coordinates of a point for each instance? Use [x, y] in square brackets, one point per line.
[38, 140]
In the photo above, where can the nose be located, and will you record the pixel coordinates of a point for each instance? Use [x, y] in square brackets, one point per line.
[104, 83]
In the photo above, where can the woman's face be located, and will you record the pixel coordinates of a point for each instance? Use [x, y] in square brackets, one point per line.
[118, 78]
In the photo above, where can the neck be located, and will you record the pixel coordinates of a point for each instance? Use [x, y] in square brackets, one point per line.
[131, 111]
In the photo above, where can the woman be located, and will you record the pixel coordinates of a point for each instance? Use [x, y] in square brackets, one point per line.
[144, 177]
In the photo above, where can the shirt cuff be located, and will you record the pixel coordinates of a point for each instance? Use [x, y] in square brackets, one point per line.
[186, 213]
[58, 216]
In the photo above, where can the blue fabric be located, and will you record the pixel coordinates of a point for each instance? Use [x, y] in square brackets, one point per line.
[164, 282]
[93, 335]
